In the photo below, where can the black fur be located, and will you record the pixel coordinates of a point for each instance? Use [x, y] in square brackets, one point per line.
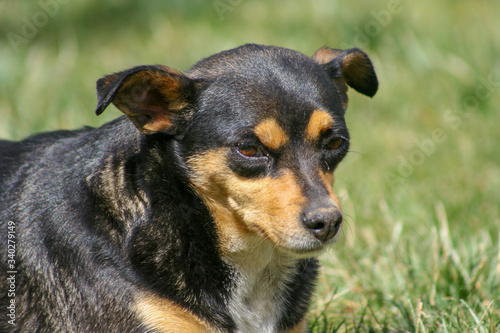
[103, 214]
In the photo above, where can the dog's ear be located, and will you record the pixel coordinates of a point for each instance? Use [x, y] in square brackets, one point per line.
[351, 67]
[155, 98]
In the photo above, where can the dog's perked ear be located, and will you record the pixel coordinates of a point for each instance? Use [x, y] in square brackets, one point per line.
[155, 98]
[351, 67]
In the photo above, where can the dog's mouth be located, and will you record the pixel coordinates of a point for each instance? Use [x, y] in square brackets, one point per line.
[298, 243]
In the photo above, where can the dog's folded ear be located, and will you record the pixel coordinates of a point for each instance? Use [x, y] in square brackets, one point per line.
[351, 67]
[155, 98]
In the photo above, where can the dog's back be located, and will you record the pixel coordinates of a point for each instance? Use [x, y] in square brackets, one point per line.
[62, 271]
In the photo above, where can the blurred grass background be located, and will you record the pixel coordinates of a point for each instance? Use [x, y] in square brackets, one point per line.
[421, 186]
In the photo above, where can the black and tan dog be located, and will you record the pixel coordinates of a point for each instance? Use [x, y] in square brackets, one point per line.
[205, 219]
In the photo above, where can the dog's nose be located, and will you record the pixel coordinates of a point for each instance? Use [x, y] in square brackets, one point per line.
[323, 222]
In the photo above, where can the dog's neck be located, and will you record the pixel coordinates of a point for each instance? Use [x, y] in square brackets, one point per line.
[262, 275]
[262, 272]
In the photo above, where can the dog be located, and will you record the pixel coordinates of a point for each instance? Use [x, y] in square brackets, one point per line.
[202, 209]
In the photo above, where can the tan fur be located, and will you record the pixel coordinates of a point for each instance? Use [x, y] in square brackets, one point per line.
[164, 316]
[271, 134]
[328, 179]
[242, 207]
[299, 328]
[319, 122]
[133, 100]
[325, 55]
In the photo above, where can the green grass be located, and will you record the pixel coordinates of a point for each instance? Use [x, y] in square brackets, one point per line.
[421, 187]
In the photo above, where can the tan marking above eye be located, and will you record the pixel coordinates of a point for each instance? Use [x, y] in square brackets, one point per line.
[271, 134]
[319, 122]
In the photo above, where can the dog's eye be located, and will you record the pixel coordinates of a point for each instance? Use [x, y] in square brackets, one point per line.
[249, 150]
[334, 143]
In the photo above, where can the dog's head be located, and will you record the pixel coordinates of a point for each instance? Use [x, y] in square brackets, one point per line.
[262, 130]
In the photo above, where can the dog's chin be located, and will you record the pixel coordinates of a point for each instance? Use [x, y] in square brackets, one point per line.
[306, 248]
